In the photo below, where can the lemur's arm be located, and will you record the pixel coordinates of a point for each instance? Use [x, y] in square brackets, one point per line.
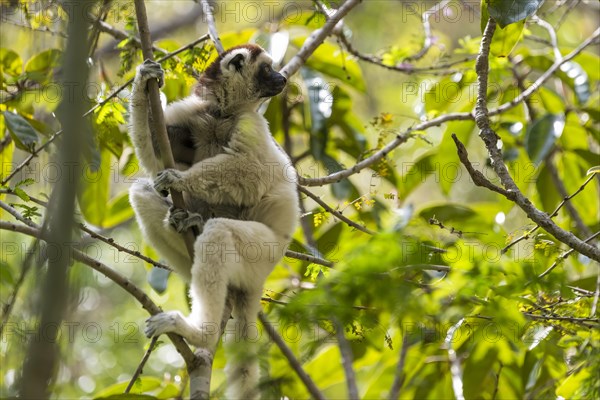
[238, 176]
[141, 134]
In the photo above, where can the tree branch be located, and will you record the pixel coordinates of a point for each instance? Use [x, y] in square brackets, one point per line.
[400, 374]
[292, 360]
[316, 38]
[117, 278]
[336, 213]
[347, 359]
[564, 256]
[490, 139]
[140, 367]
[212, 28]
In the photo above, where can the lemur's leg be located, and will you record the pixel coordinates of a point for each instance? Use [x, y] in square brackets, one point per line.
[229, 252]
[152, 212]
[141, 134]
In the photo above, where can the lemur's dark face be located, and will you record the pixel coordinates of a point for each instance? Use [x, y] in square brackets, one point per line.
[243, 74]
[271, 82]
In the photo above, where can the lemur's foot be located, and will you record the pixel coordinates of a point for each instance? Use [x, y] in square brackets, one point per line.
[182, 220]
[164, 322]
[151, 70]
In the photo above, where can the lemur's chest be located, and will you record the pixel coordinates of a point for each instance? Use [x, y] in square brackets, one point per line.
[212, 136]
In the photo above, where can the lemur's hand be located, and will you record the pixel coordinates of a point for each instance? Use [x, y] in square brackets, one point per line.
[150, 70]
[168, 179]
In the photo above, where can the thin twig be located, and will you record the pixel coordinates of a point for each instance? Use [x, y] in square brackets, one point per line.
[562, 190]
[292, 360]
[592, 39]
[43, 29]
[497, 381]
[594, 306]
[309, 258]
[437, 69]
[122, 35]
[335, 213]
[400, 375]
[12, 298]
[347, 359]
[559, 318]
[12, 211]
[140, 367]
[316, 38]
[478, 178]
[528, 234]
[111, 241]
[429, 39]
[455, 368]
[33, 154]
[564, 256]
[212, 28]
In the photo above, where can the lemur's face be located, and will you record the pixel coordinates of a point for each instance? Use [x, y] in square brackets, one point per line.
[243, 74]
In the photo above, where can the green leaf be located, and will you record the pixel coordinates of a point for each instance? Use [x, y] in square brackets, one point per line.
[329, 60]
[541, 136]
[447, 163]
[119, 211]
[549, 196]
[505, 39]
[573, 383]
[448, 212]
[40, 66]
[506, 12]
[10, 63]
[6, 275]
[143, 384]
[94, 190]
[417, 174]
[21, 193]
[327, 242]
[21, 131]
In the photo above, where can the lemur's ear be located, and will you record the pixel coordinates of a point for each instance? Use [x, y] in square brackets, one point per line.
[237, 62]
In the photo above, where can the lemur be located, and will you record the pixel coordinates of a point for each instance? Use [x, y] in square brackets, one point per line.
[240, 192]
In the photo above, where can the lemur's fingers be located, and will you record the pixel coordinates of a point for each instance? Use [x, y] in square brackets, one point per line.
[165, 180]
[152, 70]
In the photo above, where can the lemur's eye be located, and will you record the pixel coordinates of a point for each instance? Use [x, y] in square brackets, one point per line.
[266, 68]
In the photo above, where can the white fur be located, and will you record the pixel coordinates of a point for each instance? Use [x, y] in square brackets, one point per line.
[251, 171]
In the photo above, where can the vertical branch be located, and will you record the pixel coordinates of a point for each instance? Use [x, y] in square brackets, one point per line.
[158, 118]
[199, 368]
[455, 368]
[212, 28]
[347, 359]
[41, 360]
[490, 139]
[400, 374]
